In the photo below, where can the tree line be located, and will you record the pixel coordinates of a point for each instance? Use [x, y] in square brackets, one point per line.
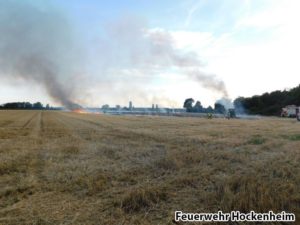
[269, 104]
[24, 105]
[198, 108]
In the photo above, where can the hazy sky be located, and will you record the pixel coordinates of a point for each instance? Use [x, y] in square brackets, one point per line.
[252, 46]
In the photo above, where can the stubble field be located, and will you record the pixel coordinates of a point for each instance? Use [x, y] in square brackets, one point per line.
[69, 168]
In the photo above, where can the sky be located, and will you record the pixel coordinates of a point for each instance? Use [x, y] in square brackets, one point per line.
[250, 46]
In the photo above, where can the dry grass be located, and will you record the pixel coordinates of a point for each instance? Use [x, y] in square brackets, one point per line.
[67, 168]
[137, 200]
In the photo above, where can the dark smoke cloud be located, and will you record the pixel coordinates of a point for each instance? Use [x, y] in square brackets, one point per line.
[36, 45]
[209, 81]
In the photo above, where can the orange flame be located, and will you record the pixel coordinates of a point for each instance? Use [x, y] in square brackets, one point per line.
[82, 111]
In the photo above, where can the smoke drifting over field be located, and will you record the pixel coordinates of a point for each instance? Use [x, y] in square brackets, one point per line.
[209, 81]
[132, 44]
[163, 46]
[226, 102]
[35, 45]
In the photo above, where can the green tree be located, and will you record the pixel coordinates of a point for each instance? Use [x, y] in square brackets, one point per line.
[198, 107]
[188, 104]
[37, 105]
[219, 108]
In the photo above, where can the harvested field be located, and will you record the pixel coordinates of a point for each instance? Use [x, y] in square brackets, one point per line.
[69, 168]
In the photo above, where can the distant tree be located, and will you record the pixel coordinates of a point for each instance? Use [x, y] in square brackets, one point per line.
[28, 105]
[13, 105]
[22, 105]
[198, 107]
[219, 108]
[47, 107]
[268, 103]
[209, 109]
[106, 106]
[188, 104]
[239, 105]
[37, 105]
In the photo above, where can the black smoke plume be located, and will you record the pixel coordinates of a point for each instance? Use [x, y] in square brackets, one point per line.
[36, 45]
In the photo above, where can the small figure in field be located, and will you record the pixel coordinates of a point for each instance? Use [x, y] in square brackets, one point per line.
[209, 115]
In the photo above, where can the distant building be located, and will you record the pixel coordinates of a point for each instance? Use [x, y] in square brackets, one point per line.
[130, 105]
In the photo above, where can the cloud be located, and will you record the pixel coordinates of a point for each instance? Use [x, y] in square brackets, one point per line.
[258, 53]
[275, 14]
[191, 12]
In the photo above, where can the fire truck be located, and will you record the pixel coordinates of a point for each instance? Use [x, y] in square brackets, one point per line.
[291, 111]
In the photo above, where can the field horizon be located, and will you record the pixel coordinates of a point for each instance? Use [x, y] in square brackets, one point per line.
[69, 168]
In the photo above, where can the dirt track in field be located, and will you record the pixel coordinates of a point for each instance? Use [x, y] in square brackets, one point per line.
[68, 168]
